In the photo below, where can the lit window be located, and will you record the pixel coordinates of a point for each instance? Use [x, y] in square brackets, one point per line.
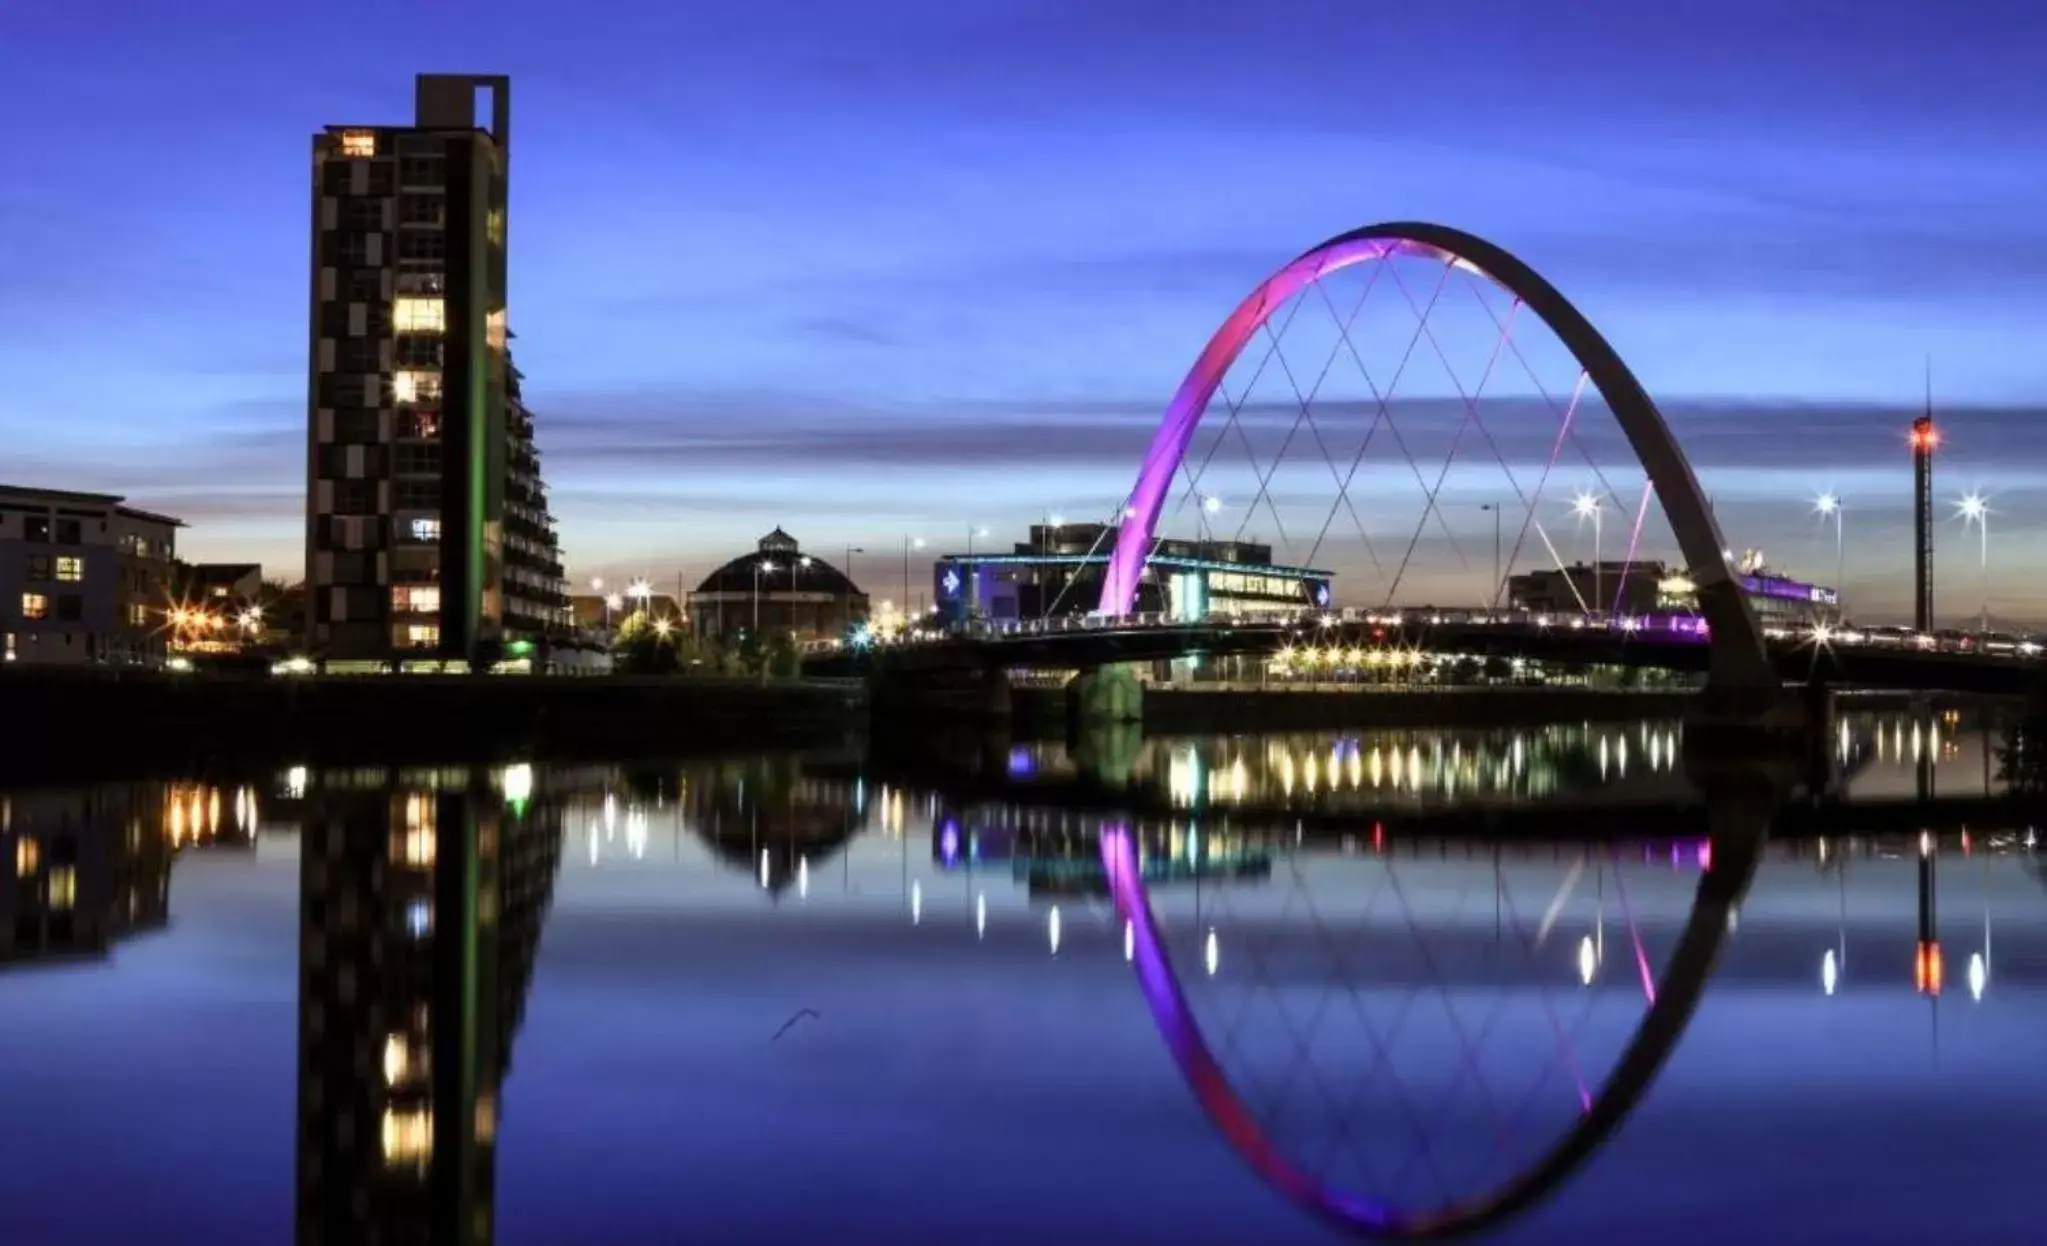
[494, 330]
[486, 1118]
[426, 529]
[28, 855]
[418, 598]
[358, 144]
[138, 614]
[423, 634]
[413, 386]
[413, 314]
[408, 1136]
[419, 919]
[35, 606]
[63, 887]
[397, 1059]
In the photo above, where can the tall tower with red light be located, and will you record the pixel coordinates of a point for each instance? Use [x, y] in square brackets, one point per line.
[1924, 439]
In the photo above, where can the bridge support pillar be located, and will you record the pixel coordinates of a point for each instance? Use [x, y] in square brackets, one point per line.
[1823, 756]
[1768, 727]
[1107, 694]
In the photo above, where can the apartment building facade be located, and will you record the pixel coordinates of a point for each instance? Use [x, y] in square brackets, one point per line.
[411, 433]
[84, 578]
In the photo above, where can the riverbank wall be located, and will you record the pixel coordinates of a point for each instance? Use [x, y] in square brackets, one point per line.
[85, 723]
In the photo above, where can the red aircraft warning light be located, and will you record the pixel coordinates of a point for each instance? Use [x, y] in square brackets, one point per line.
[1924, 435]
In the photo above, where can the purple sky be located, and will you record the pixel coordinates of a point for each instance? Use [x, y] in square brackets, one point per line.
[913, 266]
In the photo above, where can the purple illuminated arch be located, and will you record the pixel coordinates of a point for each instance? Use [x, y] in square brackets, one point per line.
[1740, 662]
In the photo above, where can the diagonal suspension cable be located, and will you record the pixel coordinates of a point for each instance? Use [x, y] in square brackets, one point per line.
[1383, 414]
[1470, 414]
[1306, 403]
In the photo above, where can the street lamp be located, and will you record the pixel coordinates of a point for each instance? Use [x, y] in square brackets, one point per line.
[612, 601]
[1498, 587]
[1828, 506]
[763, 566]
[846, 603]
[909, 543]
[800, 563]
[1588, 506]
[973, 572]
[1974, 509]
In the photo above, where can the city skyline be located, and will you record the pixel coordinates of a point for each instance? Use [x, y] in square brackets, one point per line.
[848, 290]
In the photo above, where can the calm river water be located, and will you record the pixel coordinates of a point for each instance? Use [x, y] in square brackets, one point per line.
[798, 999]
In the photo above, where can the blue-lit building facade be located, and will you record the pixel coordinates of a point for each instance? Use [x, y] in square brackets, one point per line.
[1059, 571]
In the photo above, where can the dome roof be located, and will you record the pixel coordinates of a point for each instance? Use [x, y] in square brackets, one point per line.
[793, 569]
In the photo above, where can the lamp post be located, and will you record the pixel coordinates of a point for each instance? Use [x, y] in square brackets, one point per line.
[1975, 510]
[758, 568]
[1494, 602]
[909, 543]
[800, 563]
[973, 572]
[1588, 506]
[1828, 506]
[846, 602]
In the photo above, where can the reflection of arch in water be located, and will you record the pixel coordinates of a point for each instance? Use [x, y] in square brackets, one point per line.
[1740, 824]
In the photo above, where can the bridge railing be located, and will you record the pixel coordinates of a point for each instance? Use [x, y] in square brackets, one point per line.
[1309, 623]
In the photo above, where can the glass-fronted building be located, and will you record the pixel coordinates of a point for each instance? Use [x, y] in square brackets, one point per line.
[1060, 570]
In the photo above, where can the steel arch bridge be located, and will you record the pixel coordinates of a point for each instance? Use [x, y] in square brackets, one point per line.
[1742, 676]
[1740, 666]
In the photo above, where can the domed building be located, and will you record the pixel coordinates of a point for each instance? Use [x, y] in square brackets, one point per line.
[777, 588]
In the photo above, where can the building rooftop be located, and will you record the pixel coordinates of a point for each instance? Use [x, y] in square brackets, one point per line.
[794, 571]
[74, 497]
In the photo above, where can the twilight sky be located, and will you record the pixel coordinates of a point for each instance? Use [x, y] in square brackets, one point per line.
[912, 266]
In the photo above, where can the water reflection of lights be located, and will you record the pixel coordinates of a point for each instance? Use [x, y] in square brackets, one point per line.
[981, 915]
[916, 903]
[764, 862]
[1211, 955]
[517, 782]
[611, 815]
[1052, 929]
[1588, 960]
[1129, 940]
[1979, 975]
[803, 878]
[1830, 972]
[636, 833]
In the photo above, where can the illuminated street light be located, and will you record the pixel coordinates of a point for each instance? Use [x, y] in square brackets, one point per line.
[763, 567]
[1588, 506]
[1828, 506]
[1975, 509]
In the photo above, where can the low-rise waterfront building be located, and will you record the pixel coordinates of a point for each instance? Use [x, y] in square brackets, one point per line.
[85, 579]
